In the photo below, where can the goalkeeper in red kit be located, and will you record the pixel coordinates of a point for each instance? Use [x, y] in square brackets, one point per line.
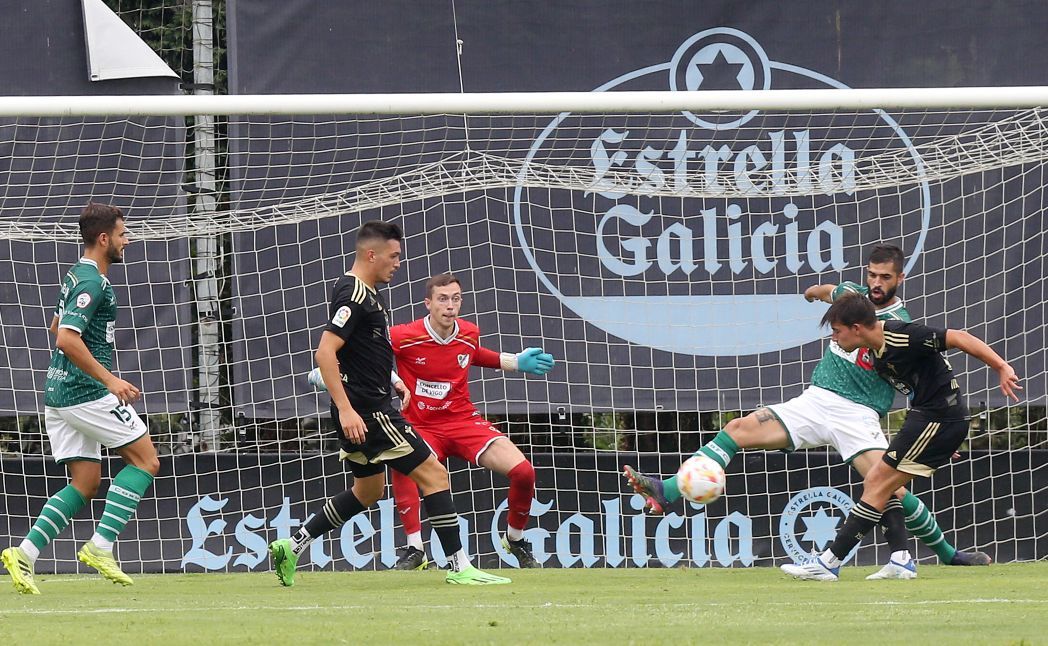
[433, 356]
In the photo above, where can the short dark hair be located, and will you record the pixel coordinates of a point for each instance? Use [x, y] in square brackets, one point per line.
[888, 253]
[849, 310]
[96, 219]
[441, 280]
[378, 230]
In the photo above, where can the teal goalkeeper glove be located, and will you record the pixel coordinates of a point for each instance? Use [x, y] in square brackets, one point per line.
[534, 361]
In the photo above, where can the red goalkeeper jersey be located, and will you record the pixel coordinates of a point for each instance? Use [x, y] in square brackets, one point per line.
[436, 371]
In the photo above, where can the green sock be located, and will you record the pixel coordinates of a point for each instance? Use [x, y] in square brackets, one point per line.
[122, 500]
[720, 449]
[55, 516]
[921, 523]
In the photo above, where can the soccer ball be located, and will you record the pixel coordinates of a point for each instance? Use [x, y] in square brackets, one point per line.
[700, 479]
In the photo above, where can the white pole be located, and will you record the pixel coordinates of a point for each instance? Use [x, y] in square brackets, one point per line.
[207, 248]
[526, 102]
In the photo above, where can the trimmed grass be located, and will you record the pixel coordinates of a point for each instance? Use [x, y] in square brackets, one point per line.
[1002, 604]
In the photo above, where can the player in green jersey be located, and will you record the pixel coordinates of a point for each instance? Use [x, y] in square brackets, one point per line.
[86, 407]
[841, 409]
[910, 357]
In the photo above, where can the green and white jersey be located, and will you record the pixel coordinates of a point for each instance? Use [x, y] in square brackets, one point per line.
[86, 304]
[851, 374]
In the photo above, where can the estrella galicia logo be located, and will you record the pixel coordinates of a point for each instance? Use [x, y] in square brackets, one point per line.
[691, 232]
[824, 510]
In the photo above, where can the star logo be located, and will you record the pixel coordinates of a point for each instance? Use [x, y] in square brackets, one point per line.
[821, 528]
[718, 74]
[720, 59]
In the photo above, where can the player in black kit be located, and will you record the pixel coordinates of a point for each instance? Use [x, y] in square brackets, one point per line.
[909, 356]
[355, 351]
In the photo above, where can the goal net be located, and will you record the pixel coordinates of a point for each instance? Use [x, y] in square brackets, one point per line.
[659, 253]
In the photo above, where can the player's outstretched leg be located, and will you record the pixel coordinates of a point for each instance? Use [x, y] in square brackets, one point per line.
[411, 558]
[21, 570]
[649, 487]
[102, 560]
[284, 561]
[521, 549]
[813, 571]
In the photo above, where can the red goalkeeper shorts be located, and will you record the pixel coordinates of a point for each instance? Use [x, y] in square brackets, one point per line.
[464, 438]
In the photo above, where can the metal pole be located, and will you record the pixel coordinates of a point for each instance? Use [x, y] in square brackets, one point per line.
[207, 248]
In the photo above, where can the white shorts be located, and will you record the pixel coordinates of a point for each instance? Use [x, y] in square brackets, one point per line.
[819, 417]
[78, 432]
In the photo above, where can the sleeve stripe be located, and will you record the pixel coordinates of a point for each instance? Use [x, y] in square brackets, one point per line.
[71, 327]
[358, 292]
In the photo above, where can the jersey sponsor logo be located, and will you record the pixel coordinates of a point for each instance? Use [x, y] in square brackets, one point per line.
[424, 406]
[821, 511]
[341, 316]
[83, 300]
[432, 389]
[705, 201]
[110, 331]
[463, 360]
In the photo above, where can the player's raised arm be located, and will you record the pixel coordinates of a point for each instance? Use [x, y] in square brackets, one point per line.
[976, 347]
[819, 293]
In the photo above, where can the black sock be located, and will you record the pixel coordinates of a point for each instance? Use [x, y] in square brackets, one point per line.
[335, 513]
[893, 522]
[862, 519]
[440, 509]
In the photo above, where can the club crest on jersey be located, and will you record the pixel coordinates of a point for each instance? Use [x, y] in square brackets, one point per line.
[341, 316]
[83, 300]
[463, 360]
[863, 359]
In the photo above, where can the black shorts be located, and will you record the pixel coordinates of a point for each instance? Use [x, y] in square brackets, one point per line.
[926, 442]
[388, 440]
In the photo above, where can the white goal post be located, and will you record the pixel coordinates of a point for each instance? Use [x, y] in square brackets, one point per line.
[657, 243]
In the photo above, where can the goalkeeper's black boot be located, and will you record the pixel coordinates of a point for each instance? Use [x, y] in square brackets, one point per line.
[411, 558]
[522, 550]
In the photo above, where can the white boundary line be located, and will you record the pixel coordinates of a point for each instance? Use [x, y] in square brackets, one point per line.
[496, 606]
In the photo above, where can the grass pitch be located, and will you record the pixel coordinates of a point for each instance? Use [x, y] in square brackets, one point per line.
[1002, 604]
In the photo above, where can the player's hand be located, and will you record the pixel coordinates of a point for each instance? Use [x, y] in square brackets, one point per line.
[1009, 381]
[812, 293]
[534, 361]
[353, 426]
[403, 393]
[125, 391]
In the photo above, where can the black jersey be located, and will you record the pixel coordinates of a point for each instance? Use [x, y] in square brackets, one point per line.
[358, 317]
[912, 361]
